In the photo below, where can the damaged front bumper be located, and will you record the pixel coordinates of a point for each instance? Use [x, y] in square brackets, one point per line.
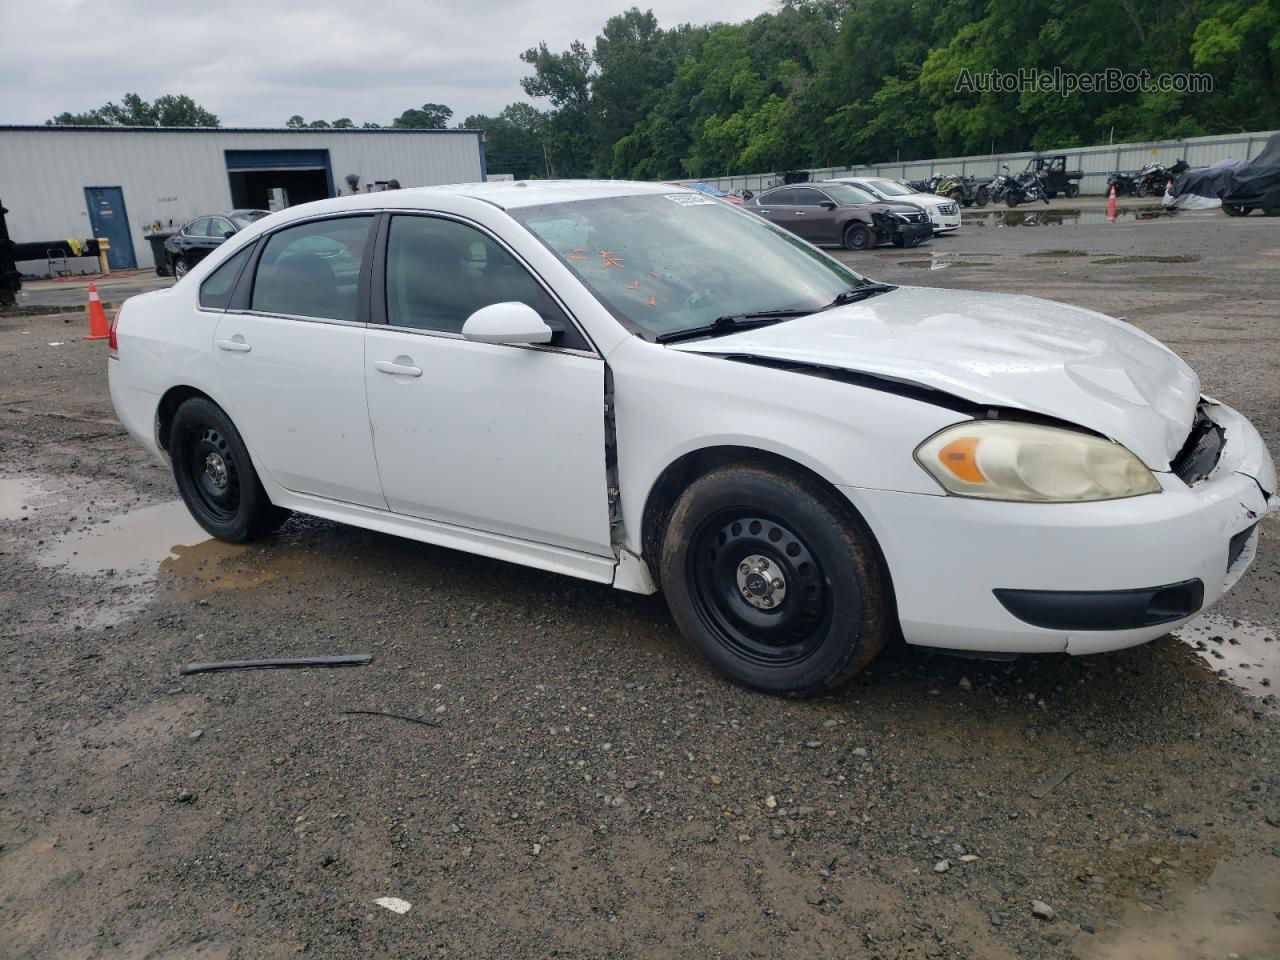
[1138, 567]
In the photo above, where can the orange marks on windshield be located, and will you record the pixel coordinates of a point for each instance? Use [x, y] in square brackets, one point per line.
[633, 285]
[577, 254]
[651, 302]
[610, 260]
[652, 274]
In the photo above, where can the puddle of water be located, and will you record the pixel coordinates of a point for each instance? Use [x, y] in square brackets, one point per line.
[1056, 254]
[1246, 654]
[16, 496]
[1033, 217]
[1177, 258]
[941, 261]
[134, 545]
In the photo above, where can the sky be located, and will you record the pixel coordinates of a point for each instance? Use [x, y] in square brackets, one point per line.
[258, 62]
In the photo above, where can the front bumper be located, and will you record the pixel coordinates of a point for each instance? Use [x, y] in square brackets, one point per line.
[948, 556]
[944, 222]
[913, 234]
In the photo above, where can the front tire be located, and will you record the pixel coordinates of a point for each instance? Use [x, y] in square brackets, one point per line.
[1010, 199]
[983, 198]
[859, 237]
[215, 476]
[1236, 210]
[773, 582]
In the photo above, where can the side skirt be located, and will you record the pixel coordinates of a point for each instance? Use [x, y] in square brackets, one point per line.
[585, 566]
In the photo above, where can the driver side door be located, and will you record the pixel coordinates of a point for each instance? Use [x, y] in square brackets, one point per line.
[503, 438]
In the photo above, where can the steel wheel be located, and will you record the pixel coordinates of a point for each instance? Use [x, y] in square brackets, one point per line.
[758, 588]
[212, 466]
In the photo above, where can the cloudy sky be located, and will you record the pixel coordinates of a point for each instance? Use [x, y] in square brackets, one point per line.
[257, 62]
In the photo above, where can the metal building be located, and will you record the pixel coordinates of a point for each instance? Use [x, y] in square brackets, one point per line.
[124, 183]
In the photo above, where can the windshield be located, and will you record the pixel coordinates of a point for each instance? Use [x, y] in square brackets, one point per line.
[847, 193]
[242, 218]
[890, 189]
[667, 263]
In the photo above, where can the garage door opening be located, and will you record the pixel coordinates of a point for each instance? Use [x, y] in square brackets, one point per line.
[270, 179]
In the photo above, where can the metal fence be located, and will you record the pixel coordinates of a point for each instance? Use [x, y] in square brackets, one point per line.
[1097, 162]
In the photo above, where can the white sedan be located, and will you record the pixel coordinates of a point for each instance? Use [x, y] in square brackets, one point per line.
[943, 211]
[642, 386]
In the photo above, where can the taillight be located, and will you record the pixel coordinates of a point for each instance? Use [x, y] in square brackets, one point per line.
[113, 348]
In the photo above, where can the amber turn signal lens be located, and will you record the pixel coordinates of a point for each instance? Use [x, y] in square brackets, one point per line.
[960, 457]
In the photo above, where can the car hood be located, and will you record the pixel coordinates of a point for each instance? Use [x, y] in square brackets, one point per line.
[1000, 350]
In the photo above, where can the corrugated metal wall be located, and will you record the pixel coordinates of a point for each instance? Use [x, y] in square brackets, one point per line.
[1096, 162]
[172, 176]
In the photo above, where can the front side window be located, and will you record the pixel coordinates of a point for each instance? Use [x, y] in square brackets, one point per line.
[219, 228]
[197, 228]
[808, 198]
[847, 194]
[313, 269]
[666, 263]
[439, 272]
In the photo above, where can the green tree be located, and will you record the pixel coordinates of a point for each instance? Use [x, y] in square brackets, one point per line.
[513, 140]
[430, 116]
[170, 110]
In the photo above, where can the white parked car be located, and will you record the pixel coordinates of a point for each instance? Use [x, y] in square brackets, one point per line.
[943, 211]
[642, 386]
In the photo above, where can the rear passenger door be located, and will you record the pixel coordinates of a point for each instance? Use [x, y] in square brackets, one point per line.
[290, 352]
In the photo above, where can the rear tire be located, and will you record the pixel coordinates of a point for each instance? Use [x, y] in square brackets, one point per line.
[859, 236]
[1236, 210]
[983, 197]
[215, 476]
[180, 268]
[1072, 191]
[1009, 199]
[773, 582]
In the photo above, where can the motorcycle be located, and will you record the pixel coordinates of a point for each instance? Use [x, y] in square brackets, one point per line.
[998, 185]
[1153, 178]
[964, 190]
[1024, 188]
[1126, 184]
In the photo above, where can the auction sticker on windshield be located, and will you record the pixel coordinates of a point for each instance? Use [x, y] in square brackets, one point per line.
[690, 199]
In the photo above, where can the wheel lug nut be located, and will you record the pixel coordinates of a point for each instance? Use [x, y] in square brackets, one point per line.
[764, 564]
[743, 568]
[768, 601]
[777, 584]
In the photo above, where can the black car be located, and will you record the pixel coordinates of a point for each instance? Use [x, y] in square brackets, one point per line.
[204, 234]
[839, 213]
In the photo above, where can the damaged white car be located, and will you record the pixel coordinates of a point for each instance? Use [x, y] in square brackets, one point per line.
[642, 386]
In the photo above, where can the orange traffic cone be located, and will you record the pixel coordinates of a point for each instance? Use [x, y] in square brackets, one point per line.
[1111, 205]
[99, 329]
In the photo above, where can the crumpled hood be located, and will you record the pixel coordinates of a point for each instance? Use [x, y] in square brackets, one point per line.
[1003, 350]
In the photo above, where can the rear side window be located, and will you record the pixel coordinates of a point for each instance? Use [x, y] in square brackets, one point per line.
[215, 292]
[780, 198]
[313, 269]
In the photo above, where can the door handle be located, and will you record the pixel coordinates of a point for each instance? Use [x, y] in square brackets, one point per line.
[397, 369]
[799, 213]
[235, 345]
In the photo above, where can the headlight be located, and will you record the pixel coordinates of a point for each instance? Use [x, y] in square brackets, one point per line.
[1006, 460]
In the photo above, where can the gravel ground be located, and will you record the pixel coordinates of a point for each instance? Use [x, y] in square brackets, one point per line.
[588, 788]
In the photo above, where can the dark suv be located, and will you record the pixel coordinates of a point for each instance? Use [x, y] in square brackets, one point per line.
[839, 213]
[194, 241]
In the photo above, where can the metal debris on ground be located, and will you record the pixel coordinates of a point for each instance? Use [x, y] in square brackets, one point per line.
[345, 660]
[425, 721]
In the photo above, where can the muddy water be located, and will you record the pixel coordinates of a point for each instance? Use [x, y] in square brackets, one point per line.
[1247, 654]
[17, 495]
[133, 546]
[1038, 216]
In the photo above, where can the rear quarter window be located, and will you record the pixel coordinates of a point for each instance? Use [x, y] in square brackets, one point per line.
[216, 290]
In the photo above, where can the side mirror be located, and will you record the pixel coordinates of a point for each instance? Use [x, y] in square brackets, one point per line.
[827, 205]
[228, 234]
[509, 322]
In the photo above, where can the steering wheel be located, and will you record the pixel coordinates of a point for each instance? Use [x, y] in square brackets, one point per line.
[707, 282]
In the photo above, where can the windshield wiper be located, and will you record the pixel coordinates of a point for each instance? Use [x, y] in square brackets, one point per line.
[854, 294]
[732, 323]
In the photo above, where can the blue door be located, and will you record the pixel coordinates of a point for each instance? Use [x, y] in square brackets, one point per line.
[108, 219]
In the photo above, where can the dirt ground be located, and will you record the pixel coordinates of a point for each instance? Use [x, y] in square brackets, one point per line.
[589, 788]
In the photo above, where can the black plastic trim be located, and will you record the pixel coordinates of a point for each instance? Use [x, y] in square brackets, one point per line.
[1104, 609]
